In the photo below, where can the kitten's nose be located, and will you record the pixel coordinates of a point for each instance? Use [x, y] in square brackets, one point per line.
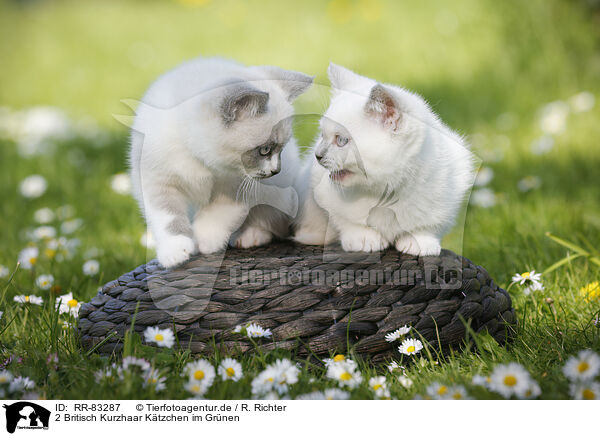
[318, 156]
[275, 171]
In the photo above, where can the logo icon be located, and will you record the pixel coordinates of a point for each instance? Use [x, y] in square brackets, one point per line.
[26, 415]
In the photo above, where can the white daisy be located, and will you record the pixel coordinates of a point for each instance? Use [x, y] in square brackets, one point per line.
[200, 372]
[314, 396]
[457, 393]
[153, 379]
[410, 346]
[264, 382]
[33, 186]
[438, 391]
[533, 287]
[28, 257]
[31, 299]
[483, 197]
[481, 380]
[4, 271]
[542, 145]
[529, 183]
[532, 391]
[484, 176]
[121, 183]
[44, 215]
[394, 366]
[68, 304]
[71, 226]
[585, 390]
[287, 374]
[130, 362]
[230, 369]
[397, 334]
[527, 277]
[347, 375]
[44, 233]
[255, 331]
[196, 388]
[582, 102]
[19, 384]
[405, 382]
[553, 117]
[45, 281]
[379, 387]
[65, 212]
[91, 267]
[337, 358]
[5, 377]
[510, 379]
[584, 366]
[335, 394]
[161, 337]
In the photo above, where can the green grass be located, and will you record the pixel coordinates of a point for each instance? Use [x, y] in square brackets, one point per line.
[474, 61]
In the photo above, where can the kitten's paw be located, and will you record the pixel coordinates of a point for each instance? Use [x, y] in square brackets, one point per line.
[175, 250]
[419, 245]
[252, 237]
[365, 240]
[209, 245]
[310, 237]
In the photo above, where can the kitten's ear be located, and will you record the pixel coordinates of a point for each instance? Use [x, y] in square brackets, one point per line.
[243, 101]
[293, 83]
[343, 78]
[383, 106]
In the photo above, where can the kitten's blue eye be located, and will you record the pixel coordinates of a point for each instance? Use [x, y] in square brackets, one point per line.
[264, 150]
[340, 140]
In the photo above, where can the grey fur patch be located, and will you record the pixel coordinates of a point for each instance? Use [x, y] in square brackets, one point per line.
[180, 226]
[293, 83]
[242, 100]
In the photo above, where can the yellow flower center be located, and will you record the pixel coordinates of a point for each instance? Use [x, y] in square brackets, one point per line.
[159, 337]
[588, 394]
[199, 374]
[410, 349]
[3, 379]
[27, 298]
[525, 275]
[510, 380]
[73, 303]
[376, 387]
[195, 388]
[230, 372]
[457, 396]
[50, 252]
[583, 366]
[32, 260]
[345, 376]
[338, 357]
[442, 390]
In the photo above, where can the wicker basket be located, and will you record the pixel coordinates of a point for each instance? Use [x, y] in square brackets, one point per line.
[313, 301]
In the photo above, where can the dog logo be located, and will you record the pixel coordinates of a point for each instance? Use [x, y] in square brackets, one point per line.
[26, 415]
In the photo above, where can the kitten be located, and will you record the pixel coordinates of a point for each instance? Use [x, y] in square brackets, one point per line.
[205, 138]
[385, 171]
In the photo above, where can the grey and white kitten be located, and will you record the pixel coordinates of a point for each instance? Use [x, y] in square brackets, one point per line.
[210, 140]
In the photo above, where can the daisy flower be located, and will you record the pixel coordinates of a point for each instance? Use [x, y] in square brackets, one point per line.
[196, 388]
[335, 359]
[44, 233]
[153, 379]
[121, 183]
[255, 331]
[264, 382]
[587, 390]
[335, 394]
[379, 387]
[71, 226]
[527, 277]
[4, 271]
[345, 374]
[68, 304]
[161, 337]
[44, 281]
[457, 393]
[31, 299]
[590, 291]
[91, 267]
[230, 369]
[484, 176]
[200, 371]
[405, 382]
[584, 366]
[532, 391]
[33, 186]
[393, 366]
[481, 380]
[19, 384]
[313, 396]
[437, 390]
[510, 379]
[5, 377]
[28, 257]
[131, 362]
[44, 215]
[287, 374]
[397, 334]
[483, 197]
[410, 346]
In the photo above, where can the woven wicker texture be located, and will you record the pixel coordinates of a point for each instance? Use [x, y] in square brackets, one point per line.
[312, 301]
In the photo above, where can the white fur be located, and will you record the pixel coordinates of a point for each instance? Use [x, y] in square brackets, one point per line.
[186, 163]
[409, 172]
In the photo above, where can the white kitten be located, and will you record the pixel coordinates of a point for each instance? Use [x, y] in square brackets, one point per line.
[385, 171]
[204, 135]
